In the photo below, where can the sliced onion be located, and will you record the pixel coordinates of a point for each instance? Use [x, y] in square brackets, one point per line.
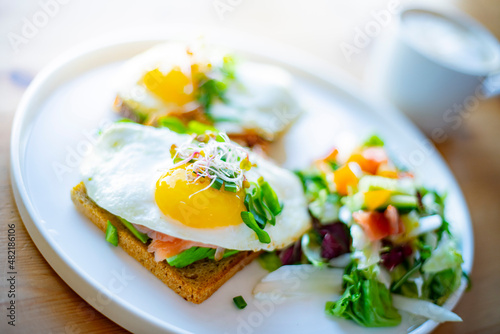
[296, 281]
[341, 261]
[427, 224]
[312, 250]
[424, 308]
[219, 253]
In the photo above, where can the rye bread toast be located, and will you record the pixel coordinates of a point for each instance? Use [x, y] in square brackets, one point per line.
[194, 283]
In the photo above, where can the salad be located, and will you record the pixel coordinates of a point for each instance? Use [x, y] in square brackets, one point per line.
[379, 238]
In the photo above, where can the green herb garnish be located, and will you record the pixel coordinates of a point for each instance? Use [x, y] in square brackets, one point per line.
[217, 184]
[230, 186]
[270, 198]
[263, 206]
[211, 89]
[249, 220]
[240, 302]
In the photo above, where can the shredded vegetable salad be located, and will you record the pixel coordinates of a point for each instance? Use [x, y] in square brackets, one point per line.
[387, 232]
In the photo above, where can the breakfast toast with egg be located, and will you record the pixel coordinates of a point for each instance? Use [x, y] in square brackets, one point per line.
[173, 84]
[195, 282]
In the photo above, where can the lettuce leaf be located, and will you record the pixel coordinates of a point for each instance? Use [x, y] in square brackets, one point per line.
[365, 300]
[445, 256]
[442, 284]
[313, 182]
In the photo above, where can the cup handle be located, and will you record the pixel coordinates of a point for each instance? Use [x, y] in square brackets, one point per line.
[491, 85]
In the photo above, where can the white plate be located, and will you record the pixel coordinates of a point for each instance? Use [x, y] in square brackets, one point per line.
[57, 121]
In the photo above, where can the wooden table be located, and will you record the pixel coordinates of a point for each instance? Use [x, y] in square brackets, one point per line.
[45, 304]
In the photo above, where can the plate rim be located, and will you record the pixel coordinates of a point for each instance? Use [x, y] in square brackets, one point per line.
[315, 68]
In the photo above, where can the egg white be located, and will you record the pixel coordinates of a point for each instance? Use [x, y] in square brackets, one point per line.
[260, 100]
[121, 171]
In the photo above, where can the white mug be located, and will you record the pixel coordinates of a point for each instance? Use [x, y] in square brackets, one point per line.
[432, 65]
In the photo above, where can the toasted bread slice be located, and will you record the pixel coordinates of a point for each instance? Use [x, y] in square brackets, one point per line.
[194, 283]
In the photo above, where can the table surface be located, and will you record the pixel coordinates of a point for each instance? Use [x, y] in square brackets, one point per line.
[45, 304]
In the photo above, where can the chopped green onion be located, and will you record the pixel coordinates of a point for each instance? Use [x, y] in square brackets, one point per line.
[217, 184]
[230, 186]
[249, 220]
[240, 302]
[111, 234]
[141, 236]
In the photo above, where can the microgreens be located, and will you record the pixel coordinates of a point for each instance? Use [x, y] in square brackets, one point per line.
[214, 157]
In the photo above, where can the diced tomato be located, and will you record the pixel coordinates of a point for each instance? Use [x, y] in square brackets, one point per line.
[378, 225]
[373, 223]
[395, 224]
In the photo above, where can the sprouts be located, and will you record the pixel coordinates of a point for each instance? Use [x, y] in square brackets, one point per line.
[215, 158]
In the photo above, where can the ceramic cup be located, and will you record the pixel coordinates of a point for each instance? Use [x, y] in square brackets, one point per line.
[432, 65]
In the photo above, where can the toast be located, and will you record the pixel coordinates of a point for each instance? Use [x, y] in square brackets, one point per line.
[195, 282]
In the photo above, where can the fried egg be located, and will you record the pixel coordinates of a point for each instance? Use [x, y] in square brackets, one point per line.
[159, 82]
[130, 172]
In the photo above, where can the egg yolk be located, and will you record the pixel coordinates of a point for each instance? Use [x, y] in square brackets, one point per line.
[176, 197]
[173, 87]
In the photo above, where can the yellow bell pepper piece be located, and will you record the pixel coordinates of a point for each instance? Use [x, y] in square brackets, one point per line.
[376, 198]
